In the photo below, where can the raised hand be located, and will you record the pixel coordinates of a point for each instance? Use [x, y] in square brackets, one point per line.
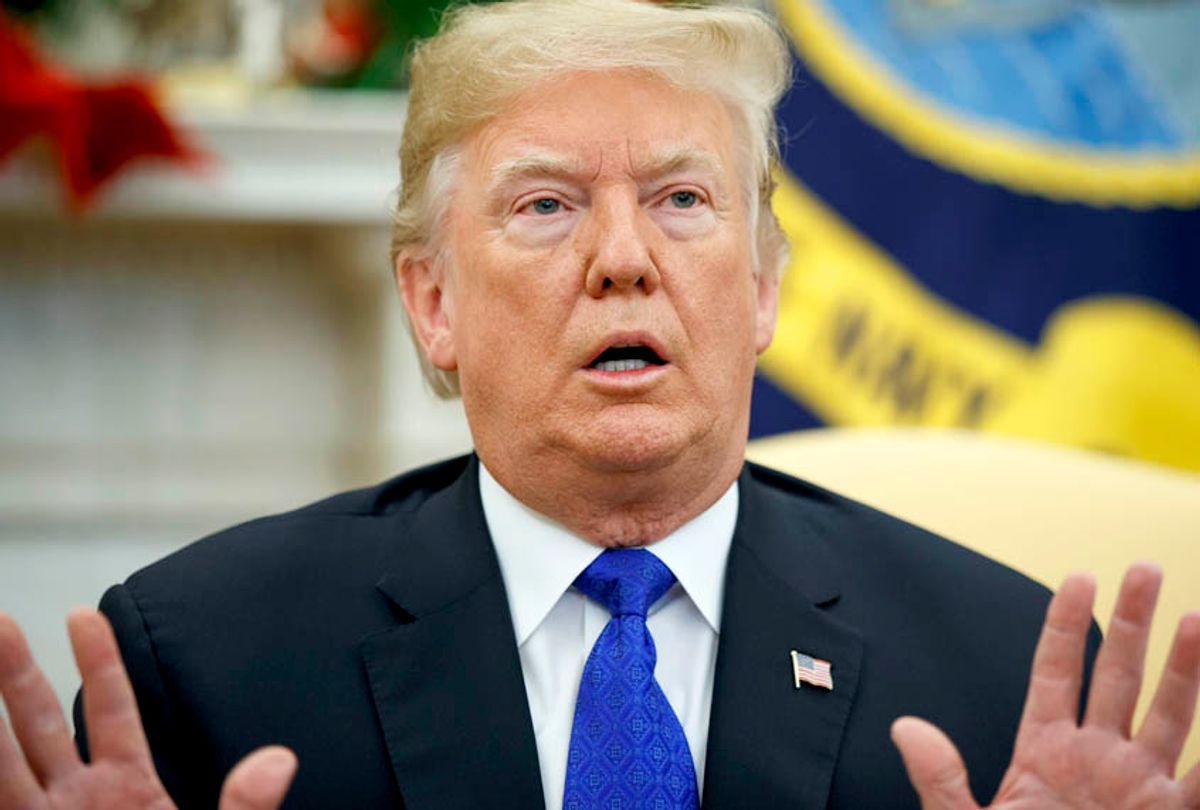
[1098, 764]
[41, 770]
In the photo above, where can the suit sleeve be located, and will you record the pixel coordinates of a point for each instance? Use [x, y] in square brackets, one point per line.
[167, 744]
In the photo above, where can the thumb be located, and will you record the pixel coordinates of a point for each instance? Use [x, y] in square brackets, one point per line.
[259, 781]
[933, 764]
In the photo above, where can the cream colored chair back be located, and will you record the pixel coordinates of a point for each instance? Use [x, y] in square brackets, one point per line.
[1042, 509]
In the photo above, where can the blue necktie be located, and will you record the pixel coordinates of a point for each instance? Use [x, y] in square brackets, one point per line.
[628, 751]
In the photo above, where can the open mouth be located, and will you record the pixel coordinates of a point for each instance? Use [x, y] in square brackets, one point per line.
[626, 358]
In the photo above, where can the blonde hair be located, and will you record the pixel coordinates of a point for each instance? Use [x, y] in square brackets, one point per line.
[486, 54]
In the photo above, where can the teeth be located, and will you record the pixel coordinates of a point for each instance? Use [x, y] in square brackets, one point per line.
[621, 365]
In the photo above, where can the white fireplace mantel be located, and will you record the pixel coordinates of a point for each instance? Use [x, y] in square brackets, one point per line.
[318, 158]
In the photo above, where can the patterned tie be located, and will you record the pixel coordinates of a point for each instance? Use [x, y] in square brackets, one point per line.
[628, 751]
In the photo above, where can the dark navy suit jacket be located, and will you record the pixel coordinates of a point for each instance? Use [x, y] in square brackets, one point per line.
[370, 633]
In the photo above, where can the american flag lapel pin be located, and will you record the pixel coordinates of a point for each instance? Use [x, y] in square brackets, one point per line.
[812, 671]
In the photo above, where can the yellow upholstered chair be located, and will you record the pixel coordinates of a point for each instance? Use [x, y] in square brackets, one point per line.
[1042, 509]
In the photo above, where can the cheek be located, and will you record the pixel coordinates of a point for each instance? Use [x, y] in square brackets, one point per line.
[514, 308]
[727, 302]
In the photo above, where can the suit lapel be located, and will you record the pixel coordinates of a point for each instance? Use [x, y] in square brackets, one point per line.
[771, 744]
[447, 680]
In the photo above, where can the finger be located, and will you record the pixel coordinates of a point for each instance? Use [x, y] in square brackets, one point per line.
[934, 766]
[1056, 674]
[1117, 676]
[37, 719]
[110, 712]
[1165, 729]
[18, 787]
[1190, 787]
[259, 781]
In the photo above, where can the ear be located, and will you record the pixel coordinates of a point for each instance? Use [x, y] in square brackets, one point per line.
[425, 299]
[767, 309]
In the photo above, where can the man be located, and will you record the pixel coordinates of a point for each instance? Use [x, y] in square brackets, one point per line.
[586, 252]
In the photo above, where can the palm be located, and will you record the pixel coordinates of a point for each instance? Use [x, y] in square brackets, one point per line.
[1098, 764]
[40, 769]
[108, 786]
[1095, 772]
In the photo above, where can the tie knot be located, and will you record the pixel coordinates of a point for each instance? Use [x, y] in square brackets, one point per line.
[626, 580]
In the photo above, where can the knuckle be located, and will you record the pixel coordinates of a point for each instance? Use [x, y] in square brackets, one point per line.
[1046, 680]
[1125, 627]
[48, 724]
[25, 679]
[1118, 672]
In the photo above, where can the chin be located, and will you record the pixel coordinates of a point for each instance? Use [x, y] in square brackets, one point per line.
[633, 443]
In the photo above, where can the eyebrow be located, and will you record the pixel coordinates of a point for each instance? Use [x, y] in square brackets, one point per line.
[672, 159]
[662, 162]
[533, 166]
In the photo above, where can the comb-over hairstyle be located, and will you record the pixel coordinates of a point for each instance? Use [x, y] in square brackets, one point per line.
[484, 55]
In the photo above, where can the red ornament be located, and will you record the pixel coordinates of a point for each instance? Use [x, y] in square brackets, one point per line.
[96, 128]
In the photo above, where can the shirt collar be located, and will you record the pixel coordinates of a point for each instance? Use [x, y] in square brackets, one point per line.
[539, 559]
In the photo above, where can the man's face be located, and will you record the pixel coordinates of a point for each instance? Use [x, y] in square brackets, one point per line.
[601, 300]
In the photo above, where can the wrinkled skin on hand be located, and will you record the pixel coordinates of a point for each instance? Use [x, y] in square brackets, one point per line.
[40, 768]
[1060, 763]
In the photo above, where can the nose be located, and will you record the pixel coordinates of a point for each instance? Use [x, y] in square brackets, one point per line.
[617, 247]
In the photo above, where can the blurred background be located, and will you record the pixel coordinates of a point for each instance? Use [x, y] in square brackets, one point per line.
[994, 209]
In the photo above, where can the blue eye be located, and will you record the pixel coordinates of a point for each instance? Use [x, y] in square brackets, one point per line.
[545, 206]
[684, 199]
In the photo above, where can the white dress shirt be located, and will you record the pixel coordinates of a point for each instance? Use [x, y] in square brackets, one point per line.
[556, 625]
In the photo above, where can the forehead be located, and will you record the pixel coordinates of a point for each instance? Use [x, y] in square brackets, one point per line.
[605, 122]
